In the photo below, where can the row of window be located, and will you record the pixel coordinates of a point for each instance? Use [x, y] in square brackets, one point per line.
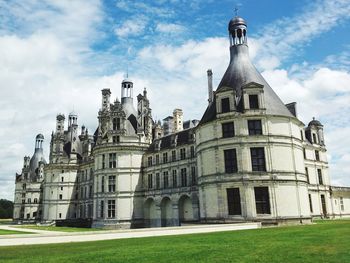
[112, 161]
[84, 175]
[319, 175]
[155, 160]
[110, 209]
[317, 154]
[254, 128]
[262, 201]
[253, 103]
[257, 155]
[165, 182]
[111, 184]
[29, 201]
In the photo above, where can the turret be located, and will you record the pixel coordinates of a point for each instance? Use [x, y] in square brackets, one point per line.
[60, 123]
[238, 31]
[72, 119]
[26, 161]
[127, 91]
[314, 132]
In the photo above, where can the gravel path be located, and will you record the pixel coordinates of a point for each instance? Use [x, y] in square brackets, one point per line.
[50, 237]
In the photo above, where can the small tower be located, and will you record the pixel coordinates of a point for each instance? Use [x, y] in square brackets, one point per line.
[238, 31]
[178, 120]
[39, 142]
[127, 91]
[314, 132]
[72, 119]
[26, 161]
[60, 123]
[106, 95]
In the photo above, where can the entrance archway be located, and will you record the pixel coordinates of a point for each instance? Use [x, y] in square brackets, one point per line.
[185, 209]
[166, 212]
[150, 213]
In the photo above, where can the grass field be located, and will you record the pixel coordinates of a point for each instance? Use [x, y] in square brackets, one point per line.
[61, 229]
[10, 232]
[322, 242]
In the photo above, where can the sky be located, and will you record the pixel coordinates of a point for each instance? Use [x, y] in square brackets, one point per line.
[57, 55]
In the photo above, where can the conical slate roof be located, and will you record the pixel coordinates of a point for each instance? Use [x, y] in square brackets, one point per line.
[240, 72]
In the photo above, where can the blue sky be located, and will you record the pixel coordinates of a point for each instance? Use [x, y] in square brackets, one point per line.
[56, 56]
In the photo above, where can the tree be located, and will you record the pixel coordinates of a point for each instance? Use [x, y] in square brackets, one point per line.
[6, 208]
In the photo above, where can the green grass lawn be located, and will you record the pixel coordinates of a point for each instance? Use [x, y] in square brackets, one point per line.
[323, 242]
[10, 232]
[61, 229]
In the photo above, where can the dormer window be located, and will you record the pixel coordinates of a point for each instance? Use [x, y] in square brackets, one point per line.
[253, 101]
[225, 105]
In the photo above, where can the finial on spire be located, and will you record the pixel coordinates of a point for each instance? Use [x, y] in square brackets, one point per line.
[236, 10]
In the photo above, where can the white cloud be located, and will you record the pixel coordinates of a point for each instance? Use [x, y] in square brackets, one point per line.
[131, 27]
[285, 37]
[170, 28]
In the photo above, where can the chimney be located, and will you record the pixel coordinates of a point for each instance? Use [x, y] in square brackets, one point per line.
[210, 85]
[177, 120]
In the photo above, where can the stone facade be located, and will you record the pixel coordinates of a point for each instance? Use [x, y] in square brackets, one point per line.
[248, 159]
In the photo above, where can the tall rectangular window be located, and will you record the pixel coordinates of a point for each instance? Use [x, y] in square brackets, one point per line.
[341, 204]
[193, 175]
[183, 177]
[254, 127]
[112, 160]
[258, 159]
[149, 161]
[317, 155]
[111, 183]
[103, 161]
[173, 155]
[304, 152]
[111, 208]
[118, 123]
[157, 181]
[103, 184]
[150, 181]
[157, 158]
[233, 201]
[102, 208]
[307, 175]
[262, 201]
[320, 179]
[228, 129]
[174, 178]
[225, 105]
[230, 159]
[192, 151]
[114, 123]
[182, 153]
[165, 157]
[253, 102]
[165, 179]
[310, 203]
[324, 207]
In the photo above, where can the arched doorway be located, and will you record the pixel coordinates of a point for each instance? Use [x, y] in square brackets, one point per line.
[150, 213]
[185, 209]
[166, 212]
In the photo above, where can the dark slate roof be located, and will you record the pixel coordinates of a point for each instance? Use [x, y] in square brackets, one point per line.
[240, 72]
[315, 122]
[183, 138]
